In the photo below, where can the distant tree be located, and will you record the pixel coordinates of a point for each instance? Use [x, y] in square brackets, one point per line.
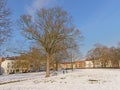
[104, 56]
[21, 65]
[58, 58]
[115, 60]
[33, 58]
[94, 55]
[5, 21]
[52, 29]
[36, 58]
[74, 55]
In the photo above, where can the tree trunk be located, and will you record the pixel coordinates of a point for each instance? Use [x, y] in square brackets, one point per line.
[71, 62]
[56, 68]
[47, 66]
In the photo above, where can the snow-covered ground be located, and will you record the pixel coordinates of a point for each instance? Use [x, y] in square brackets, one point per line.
[82, 79]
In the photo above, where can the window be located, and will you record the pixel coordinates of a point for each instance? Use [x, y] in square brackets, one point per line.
[8, 66]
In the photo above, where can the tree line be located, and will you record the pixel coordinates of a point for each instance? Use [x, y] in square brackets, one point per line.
[103, 56]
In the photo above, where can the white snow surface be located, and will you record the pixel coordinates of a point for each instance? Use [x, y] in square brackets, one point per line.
[79, 79]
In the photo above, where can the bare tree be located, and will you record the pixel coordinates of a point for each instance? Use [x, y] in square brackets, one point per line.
[103, 56]
[33, 57]
[21, 65]
[36, 58]
[93, 55]
[5, 21]
[58, 58]
[115, 57]
[52, 28]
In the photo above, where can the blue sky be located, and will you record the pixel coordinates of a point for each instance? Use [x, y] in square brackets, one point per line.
[98, 20]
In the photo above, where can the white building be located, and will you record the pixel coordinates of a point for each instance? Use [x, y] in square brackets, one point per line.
[88, 64]
[7, 66]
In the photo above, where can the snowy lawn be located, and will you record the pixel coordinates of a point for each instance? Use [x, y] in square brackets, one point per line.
[81, 79]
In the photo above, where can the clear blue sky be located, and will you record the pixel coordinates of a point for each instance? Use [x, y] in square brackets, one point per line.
[98, 20]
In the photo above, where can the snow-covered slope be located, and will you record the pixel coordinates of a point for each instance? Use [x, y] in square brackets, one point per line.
[82, 79]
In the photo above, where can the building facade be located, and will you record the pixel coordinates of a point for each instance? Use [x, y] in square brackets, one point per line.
[88, 64]
[80, 64]
[7, 66]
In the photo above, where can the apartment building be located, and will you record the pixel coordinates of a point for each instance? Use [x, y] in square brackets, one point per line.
[80, 64]
[7, 66]
[88, 64]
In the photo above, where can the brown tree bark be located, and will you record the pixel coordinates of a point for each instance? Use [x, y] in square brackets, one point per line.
[48, 66]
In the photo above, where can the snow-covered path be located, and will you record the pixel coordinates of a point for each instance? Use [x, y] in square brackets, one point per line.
[83, 79]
